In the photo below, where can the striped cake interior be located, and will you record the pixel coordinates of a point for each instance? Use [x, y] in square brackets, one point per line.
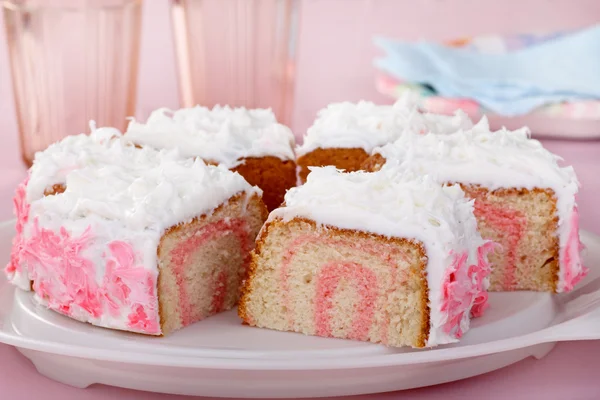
[203, 262]
[338, 283]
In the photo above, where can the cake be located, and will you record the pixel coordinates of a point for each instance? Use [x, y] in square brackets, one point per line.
[132, 239]
[250, 142]
[524, 201]
[345, 134]
[371, 257]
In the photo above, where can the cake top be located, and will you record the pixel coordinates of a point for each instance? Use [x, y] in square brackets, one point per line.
[143, 188]
[480, 156]
[396, 204]
[386, 202]
[367, 125]
[222, 134]
[51, 166]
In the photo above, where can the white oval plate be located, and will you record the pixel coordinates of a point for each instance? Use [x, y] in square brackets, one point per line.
[220, 357]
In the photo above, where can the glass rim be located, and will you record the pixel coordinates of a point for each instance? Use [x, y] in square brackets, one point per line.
[20, 5]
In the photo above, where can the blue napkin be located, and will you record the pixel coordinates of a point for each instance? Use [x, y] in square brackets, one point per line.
[564, 69]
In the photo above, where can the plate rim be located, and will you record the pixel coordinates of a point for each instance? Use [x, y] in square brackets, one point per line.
[278, 363]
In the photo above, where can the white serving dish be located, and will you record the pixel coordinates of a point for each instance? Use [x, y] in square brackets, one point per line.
[219, 357]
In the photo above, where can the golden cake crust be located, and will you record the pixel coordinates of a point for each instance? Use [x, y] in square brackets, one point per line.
[233, 199]
[273, 175]
[373, 163]
[260, 241]
[55, 189]
[347, 159]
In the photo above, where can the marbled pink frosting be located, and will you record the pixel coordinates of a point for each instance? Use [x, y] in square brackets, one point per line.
[21, 210]
[64, 278]
[464, 288]
[573, 270]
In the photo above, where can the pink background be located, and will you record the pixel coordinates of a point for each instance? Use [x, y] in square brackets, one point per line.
[334, 63]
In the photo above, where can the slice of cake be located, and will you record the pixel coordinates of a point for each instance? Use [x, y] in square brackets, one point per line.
[250, 142]
[524, 201]
[345, 134]
[371, 257]
[132, 239]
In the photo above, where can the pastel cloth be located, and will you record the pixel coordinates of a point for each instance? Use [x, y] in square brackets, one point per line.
[564, 69]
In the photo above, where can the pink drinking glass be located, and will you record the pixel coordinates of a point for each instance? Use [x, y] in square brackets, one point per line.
[236, 52]
[71, 61]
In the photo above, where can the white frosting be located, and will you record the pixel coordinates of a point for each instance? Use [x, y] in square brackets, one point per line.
[367, 125]
[52, 165]
[494, 160]
[141, 188]
[394, 205]
[224, 135]
[119, 193]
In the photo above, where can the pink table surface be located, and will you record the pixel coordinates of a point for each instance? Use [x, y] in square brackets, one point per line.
[570, 371]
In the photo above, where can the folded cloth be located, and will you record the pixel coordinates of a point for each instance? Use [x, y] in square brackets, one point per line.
[564, 69]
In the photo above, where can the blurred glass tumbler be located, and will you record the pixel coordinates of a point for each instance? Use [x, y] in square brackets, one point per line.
[72, 61]
[236, 52]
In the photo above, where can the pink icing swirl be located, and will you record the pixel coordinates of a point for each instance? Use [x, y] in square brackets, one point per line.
[139, 320]
[21, 210]
[128, 284]
[66, 279]
[574, 271]
[480, 272]
[61, 275]
[463, 289]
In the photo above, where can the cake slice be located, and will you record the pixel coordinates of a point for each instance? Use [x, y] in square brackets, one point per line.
[345, 134]
[132, 239]
[524, 201]
[370, 257]
[250, 142]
